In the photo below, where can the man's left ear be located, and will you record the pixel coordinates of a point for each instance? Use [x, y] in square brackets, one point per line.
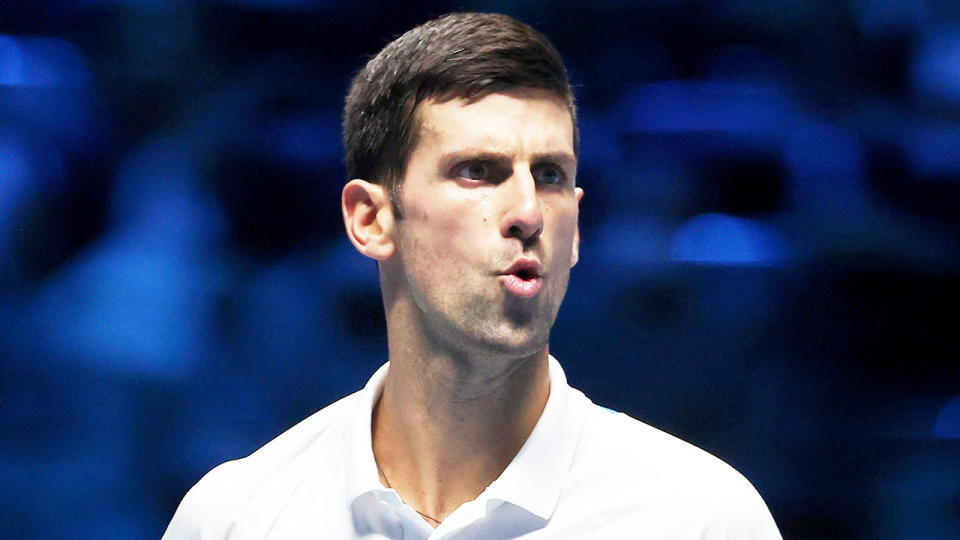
[575, 254]
[368, 218]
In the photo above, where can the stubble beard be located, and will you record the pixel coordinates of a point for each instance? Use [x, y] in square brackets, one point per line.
[489, 327]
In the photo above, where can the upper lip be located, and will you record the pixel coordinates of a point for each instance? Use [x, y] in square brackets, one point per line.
[531, 267]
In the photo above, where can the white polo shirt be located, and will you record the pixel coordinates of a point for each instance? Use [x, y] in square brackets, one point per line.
[584, 472]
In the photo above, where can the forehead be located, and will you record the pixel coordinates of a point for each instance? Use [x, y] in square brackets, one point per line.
[521, 120]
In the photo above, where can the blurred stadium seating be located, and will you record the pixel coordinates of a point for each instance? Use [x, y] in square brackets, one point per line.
[770, 264]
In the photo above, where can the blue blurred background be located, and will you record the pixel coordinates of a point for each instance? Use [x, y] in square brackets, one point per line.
[769, 266]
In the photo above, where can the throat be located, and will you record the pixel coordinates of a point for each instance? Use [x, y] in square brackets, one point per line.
[438, 450]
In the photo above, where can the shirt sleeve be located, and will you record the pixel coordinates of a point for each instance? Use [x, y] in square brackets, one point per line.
[743, 516]
[203, 514]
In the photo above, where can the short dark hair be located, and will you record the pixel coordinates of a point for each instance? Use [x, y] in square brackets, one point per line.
[458, 55]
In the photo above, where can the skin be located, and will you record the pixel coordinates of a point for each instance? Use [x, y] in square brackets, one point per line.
[490, 181]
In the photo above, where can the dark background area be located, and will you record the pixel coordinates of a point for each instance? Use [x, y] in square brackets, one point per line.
[769, 263]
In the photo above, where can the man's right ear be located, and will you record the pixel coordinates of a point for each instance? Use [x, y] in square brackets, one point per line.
[368, 218]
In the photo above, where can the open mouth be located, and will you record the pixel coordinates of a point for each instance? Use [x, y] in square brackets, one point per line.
[526, 275]
[523, 278]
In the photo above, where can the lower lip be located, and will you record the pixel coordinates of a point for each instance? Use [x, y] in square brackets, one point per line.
[523, 288]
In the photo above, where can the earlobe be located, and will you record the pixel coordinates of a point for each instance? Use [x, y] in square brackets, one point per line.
[368, 218]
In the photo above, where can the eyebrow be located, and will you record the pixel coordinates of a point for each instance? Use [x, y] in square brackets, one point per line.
[564, 159]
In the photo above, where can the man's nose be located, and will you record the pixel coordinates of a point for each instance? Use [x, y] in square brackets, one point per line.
[523, 218]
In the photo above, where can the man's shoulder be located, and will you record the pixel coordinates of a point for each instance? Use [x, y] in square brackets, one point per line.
[637, 448]
[667, 476]
[263, 477]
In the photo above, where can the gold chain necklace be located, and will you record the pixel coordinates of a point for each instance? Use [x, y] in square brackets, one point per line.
[387, 480]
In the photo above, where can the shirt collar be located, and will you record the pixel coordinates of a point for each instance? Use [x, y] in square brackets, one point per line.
[533, 480]
[362, 474]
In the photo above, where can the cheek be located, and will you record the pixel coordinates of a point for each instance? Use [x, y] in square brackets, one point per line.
[566, 227]
[430, 246]
[445, 228]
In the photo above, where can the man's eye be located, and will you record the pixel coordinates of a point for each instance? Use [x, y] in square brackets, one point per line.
[548, 174]
[475, 170]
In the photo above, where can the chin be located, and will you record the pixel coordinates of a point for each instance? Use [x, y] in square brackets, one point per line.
[483, 326]
[514, 341]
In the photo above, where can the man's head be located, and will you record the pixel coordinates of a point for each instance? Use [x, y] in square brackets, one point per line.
[471, 114]
[460, 55]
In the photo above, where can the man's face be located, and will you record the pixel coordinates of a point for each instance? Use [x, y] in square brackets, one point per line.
[490, 227]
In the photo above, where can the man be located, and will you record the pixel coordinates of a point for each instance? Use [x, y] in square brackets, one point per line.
[462, 148]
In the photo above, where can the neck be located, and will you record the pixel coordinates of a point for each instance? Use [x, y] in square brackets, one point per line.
[447, 425]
